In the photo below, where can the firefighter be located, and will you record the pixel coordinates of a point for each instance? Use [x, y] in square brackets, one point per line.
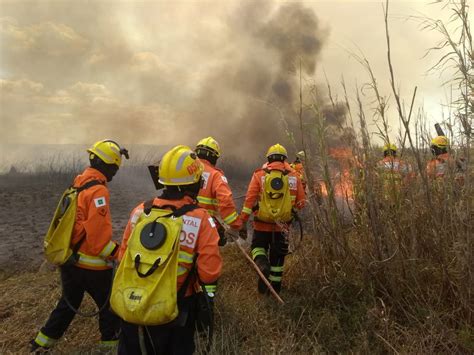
[392, 167]
[215, 195]
[394, 172]
[443, 164]
[92, 238]
[180, 172]
[437, 167]
[297, 165]
[273, 193]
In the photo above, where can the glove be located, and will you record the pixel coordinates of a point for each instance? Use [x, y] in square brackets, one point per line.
[243, 232]
[205, 309]
[222, 236]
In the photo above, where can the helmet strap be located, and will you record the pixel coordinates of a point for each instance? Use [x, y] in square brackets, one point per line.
[276, 157]
[207, 155]
[435, 150]
[108, 170]
[178, 192]
[390, 153]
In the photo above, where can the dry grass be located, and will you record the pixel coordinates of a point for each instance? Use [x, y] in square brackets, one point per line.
[27, 299]
[329, 308]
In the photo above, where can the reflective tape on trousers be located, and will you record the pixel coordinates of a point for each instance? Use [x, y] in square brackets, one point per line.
[274, 278]
[44, 341]
[258, 251]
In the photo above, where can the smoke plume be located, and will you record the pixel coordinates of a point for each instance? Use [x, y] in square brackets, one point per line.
[249, 102]
[132, 74]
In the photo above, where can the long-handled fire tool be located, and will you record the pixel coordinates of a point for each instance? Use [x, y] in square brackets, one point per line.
[235, 237]
[439, 130]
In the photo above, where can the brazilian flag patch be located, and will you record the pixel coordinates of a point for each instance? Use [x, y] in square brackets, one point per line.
[100, 202]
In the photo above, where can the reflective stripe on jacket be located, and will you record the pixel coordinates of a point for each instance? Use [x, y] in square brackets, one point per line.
[393, 169]
[395, 165]
[445, 164]
[255, 190]
[216, 195]
[198, 235]
[439, 166]
[93, 221]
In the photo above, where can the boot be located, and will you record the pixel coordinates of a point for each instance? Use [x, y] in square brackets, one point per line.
[264, 266]
[276, 286]
[38, 349]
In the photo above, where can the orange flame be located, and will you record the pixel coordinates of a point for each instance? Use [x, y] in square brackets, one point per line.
[341, 175]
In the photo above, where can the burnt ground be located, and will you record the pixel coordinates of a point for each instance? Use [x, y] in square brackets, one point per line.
[27, 206]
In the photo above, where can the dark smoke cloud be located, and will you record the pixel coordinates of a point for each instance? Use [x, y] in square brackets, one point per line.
[167, 72]
[295, 34]
[91, 81]
[242, 101]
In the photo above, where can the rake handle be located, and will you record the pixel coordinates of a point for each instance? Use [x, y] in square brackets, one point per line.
[236, 237]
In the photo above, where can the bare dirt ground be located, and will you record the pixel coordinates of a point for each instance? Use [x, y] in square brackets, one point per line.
[27, 206]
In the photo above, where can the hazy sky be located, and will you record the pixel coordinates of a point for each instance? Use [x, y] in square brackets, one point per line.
[167, 72]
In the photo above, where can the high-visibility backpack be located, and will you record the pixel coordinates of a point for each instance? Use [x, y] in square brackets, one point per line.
[144, 288]
[275, 200]
[57, 242]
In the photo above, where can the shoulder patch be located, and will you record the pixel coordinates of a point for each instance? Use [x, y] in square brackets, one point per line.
[224, 179]
[211, 222]
[100, 202]
[205, 177]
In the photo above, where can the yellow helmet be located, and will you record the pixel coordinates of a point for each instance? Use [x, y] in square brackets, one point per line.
[277, 149]
[108, 151]
[180, 166]
[210, 144]
[440, 142]
[301, 154]
[389, 146]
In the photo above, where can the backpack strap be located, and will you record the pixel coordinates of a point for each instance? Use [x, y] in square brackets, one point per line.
[185, 285]
[77, 246]
[184, 209]
[176, 212]
[88, 185]
[147, 206]
[284, 172]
